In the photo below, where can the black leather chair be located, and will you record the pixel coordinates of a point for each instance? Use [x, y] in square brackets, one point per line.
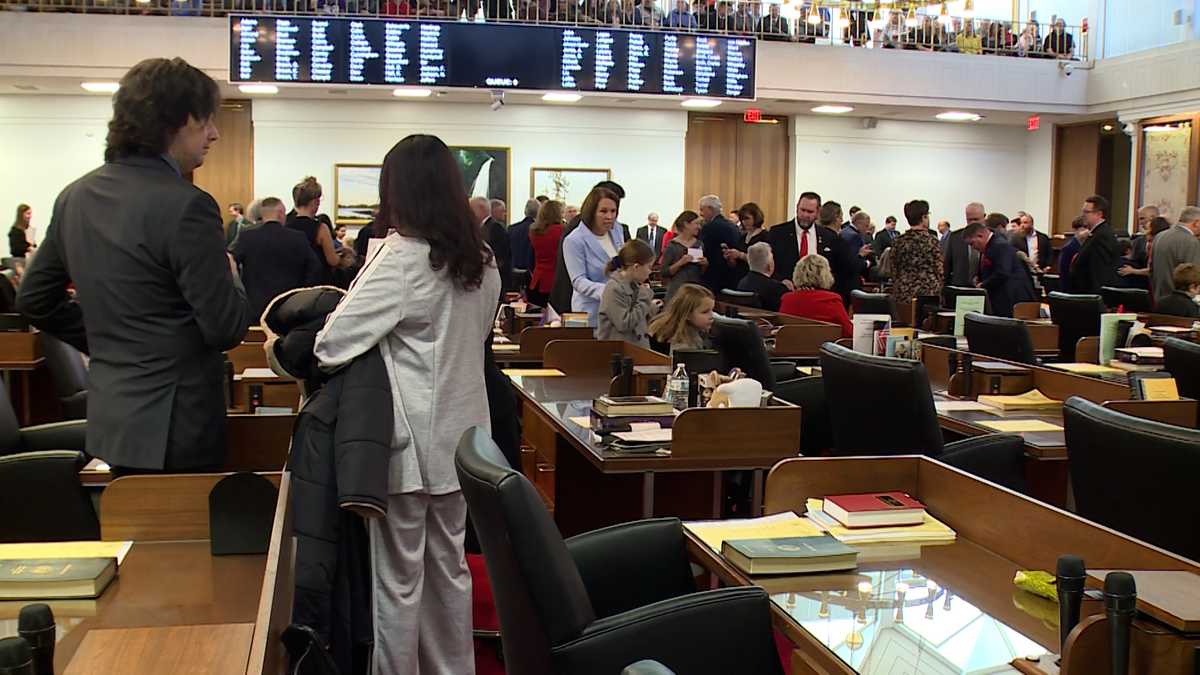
[743, 298]
[1077, 316]
[647, 667]
[597, 602]
[70, 435]
[1129, 299]
[1052, 283]
[69, 373]
[809, 394]
[1182, 360]
[884, 406]
[872, 303]
[999, 337]
[1135, 475]
[950, 295]
[42, 498]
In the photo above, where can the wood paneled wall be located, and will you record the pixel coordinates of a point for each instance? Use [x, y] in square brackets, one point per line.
[1076, 160]
[228, 171]
[739, 162]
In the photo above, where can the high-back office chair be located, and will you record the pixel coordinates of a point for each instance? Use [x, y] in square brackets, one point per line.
[71, 435]
[884, 406]
[950, 295]
[1134, 475]
[597, 602]
[69, 374]
[809, 394]
[1076, 316]
[863, 302]
[741, 346]
[743, 298]
[43, 500]
[1127, 299]
[998, 337]
[1182, 360]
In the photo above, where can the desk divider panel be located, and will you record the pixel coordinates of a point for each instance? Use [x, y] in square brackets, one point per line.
[792, 481]
[267, 654]
[1044, 337]
[533, 340]
[170, 507]
[1027, 311]
[737, 432]
[804, 340]
[581, 357]
[1056, 384]
[258, 442]
[247, 355]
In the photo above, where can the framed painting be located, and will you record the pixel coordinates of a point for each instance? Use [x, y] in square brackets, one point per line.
[486, 173]
[567, 185]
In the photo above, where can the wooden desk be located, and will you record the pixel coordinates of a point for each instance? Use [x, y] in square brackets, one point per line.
[277, 392]
[197, 650]
[999, 533]
[794, 336]
[532, 341]
[589, 486]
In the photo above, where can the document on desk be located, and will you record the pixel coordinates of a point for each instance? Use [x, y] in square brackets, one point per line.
[505, 348]
[644, 435]
[263, 373]
[787, 524]
[1020, 426]
[66, 549]
[961, 406]
[533, 372]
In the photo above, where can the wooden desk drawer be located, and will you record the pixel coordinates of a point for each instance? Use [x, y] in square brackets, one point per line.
[20, 346]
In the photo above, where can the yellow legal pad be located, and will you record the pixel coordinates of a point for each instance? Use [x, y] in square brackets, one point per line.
[1030, 400]
[1085, 368]
[533, 372]
[1018, 426]
[788, 524]
[1159, 389]
[66, 549]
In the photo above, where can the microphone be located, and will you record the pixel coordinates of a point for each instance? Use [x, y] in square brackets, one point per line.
[1069, 577]
[16, 658]
[36, 625]
[1120, 601]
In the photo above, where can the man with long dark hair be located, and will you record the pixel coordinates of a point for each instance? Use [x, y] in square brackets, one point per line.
[157, 300]
[427, 298]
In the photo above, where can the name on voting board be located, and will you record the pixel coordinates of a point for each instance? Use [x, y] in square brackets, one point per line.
[399, 52]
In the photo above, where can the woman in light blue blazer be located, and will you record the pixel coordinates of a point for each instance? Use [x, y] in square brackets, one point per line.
[590, 247]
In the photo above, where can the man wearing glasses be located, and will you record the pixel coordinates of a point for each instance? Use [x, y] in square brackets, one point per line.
[1098, 259]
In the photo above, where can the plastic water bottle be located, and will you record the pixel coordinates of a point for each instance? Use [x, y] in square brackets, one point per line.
[678, 388]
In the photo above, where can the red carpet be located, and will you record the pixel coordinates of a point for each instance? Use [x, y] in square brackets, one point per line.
[483, 608]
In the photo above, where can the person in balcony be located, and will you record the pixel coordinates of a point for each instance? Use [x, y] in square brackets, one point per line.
[1059, 42]
[773, 27]
[681, 16]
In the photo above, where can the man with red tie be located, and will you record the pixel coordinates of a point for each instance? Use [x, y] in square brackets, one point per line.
[1001, 273]
[793, 240]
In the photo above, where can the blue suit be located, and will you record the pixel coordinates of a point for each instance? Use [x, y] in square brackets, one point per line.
[1005, 276]
[585, 260]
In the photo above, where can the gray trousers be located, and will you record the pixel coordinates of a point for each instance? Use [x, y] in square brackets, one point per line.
[422, 587]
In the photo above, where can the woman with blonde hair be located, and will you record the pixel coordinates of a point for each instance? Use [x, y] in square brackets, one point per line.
[812, 298]
[688, 317]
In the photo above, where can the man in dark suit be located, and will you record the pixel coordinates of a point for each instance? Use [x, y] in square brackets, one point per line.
[274, 259]
[1035, 245]
[652, 233]
[1001, 273]
[519, 244]
[718, 235]
[1098, 259]
[157, 299]
[885, 237]
[758, 280]
[496, 237]
[961, 261]
[794, 239]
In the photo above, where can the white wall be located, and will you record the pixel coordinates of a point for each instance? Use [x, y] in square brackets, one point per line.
[1134, 26]
[949, 165]
[48, 142]
[643, 148]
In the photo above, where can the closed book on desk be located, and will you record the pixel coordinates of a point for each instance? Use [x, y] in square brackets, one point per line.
[789, 555]
[879, 509]
[55, 578]
[930, 531]
[608, 424]
[632, 406]
[1144, 356]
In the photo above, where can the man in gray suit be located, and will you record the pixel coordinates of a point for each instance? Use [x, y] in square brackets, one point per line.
[157, 300]
[1170, 249]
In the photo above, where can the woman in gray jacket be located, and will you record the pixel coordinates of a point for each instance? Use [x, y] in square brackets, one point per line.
[427, 297]
[627, 302]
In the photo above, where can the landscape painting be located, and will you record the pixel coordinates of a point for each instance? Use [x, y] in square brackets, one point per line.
[356, 186]
[569, 186]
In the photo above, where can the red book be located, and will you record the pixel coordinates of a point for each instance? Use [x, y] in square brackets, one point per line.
[875, 509]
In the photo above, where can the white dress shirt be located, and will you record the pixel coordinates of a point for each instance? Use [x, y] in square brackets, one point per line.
[810, 233]
[1031, 243]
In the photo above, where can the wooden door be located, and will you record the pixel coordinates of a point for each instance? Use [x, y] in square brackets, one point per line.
[739, 162]
[1076, 163]
[228, 171]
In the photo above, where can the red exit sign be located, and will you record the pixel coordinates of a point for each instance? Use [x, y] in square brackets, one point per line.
[752, 116]
[1033, 123]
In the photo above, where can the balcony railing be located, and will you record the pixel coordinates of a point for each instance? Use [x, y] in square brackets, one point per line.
[872, 29]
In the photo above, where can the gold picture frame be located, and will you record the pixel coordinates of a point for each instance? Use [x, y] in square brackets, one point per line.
[569, 185]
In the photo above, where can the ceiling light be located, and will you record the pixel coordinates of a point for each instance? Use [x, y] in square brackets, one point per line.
[968, 10]
[258, 89]
[700, 103]
[101, 87]
[814, 17]
[561, 97]
[958, 116]
[832, 109]
[1107, 127]
[411, 92]
[944, 16]
[911, 21]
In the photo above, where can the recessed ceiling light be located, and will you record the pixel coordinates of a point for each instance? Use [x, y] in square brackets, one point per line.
[412, 92]
[832, 109]
[1107, 127]
[561, 97]
[958, 116]
[700, 103]
[101, 87]
[258, 89]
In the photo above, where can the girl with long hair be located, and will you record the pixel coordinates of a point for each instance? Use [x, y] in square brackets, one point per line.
[685, 323]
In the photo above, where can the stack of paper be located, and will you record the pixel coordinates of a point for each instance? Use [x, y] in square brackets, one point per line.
[715, 532]
[1085, 368]
[533, 372]
[1030, 400]
[932, 531]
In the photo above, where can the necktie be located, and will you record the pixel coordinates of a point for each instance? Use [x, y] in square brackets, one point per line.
[803, 242]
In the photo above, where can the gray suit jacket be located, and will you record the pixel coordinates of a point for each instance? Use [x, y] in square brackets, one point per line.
[1170, 248]
[957, 260]
[156, 306]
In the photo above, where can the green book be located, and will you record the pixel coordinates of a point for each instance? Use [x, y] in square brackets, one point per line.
[55, 578]
[789, 555]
